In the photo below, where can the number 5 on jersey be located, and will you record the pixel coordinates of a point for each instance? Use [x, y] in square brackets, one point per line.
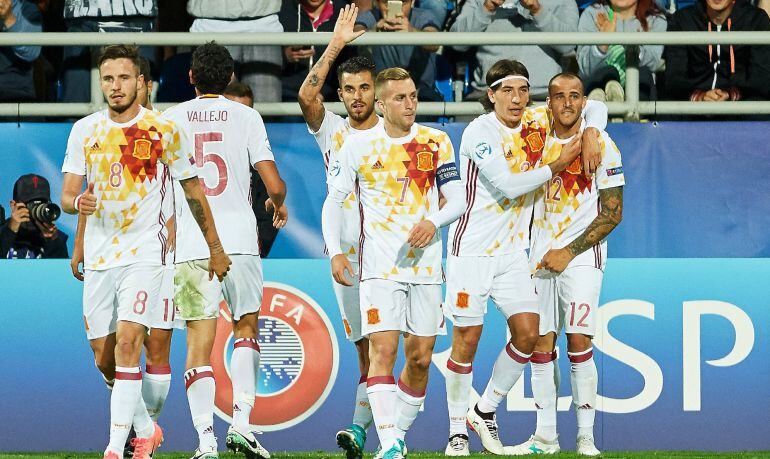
[201, 159]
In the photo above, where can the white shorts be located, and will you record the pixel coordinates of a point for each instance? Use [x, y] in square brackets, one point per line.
[126, 293]
[166, 315]
[198, 298]
[569, 301]
[472, 281]
[350, 305]
[410, 308]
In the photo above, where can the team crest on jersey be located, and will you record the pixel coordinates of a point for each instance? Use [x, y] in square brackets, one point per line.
[534, 141]
[298, 365]
[576, 167]
[425, 161]
[142, 148]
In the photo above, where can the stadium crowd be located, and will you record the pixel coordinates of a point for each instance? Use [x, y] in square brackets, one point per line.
[274, 73]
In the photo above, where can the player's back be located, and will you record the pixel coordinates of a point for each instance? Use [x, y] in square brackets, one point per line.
[227, 138]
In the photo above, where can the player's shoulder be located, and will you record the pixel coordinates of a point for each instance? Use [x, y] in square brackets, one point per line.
[89, 120]
[607, 143]
[437, 135]
[482, 124]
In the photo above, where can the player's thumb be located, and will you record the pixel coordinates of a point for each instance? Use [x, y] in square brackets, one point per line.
[90, 188]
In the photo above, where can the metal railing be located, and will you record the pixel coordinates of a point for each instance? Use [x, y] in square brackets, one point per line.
[630, 109]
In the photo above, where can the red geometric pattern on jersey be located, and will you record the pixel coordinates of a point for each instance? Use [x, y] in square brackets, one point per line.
[573, 175]
[417, 168]
[135, 155]
[534, 141]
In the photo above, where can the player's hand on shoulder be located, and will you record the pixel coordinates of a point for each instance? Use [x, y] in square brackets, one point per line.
[219, 264]
[421, 234]
[592, 150]
[340, 264]
[556, 260]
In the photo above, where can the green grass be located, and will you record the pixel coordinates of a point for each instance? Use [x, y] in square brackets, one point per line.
[324, 455]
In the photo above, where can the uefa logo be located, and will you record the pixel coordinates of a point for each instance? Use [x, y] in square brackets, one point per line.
[298, 351]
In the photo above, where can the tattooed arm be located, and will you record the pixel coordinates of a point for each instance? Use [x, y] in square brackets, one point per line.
[611, 200]
[310, 92]
[219, 262]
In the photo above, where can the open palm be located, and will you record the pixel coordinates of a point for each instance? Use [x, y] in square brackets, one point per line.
[343, 29]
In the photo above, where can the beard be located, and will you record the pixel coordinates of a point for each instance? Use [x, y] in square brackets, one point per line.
[128, 101]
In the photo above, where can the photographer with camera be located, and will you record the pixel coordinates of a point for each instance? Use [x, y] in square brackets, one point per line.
[30, 232]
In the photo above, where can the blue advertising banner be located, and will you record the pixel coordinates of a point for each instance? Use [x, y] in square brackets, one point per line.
[693, 189]
[681, 347]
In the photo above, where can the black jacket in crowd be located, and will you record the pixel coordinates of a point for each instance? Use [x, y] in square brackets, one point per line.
[30, 243]
[294, 19]
[743, 70]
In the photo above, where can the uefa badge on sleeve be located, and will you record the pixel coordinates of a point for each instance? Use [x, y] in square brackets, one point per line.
[298, 364]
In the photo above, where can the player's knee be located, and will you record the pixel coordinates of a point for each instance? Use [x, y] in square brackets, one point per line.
[419, 363]
[383, 354]
[128, 346]
[526, 340]
[464, 345]
[577, 342]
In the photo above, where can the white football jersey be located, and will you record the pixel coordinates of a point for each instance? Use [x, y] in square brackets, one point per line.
[228, 139]
[125, 162]
[398, 186]
[330, 137]
[492, 223]
[569, 202]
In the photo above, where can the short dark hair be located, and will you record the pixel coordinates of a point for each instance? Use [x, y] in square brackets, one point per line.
[354, 65]
[129, 52]
[502, 69]
[569, 76]
[239, 89]
[144, 68]
[212, 67]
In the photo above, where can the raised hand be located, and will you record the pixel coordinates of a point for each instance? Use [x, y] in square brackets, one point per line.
[343, 29]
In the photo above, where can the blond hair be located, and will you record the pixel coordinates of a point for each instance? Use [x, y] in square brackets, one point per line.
[391, 74]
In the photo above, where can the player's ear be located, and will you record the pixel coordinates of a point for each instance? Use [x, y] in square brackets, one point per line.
[491, 95]
[339, 94]
[192, 80]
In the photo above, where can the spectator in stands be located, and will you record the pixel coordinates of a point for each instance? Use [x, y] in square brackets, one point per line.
[16, 61]
[718, 72]
[31, 231]
[420, 61]
[439, 9]
[603, 67]
[266, 232]
[257, 66]
[543, 62]
[100, 16]
[307, 16]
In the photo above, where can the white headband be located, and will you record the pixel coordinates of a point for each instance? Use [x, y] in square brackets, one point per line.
[509, 77]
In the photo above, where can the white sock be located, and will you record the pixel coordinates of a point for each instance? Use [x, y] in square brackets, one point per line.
[584, 379]
[362, 414]
[508, 368]
[383, 399]
[126, 394]
[143, 425]
[545, 393]
[459, 381]
[155, 384]
[244, 366]
[409, 403]
[200, 395]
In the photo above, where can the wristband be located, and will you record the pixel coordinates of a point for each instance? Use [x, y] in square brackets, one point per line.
[76, 202]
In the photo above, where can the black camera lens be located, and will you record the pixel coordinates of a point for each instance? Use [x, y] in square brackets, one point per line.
[44, 212]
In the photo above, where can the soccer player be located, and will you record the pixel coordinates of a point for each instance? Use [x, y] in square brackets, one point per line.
[499, 158]
[398, 169]
[356, 79]
[156, 379]
[120, 156]
[573, 218]
[230, 138]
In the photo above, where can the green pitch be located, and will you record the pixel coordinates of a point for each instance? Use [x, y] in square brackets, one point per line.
[319, 455]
